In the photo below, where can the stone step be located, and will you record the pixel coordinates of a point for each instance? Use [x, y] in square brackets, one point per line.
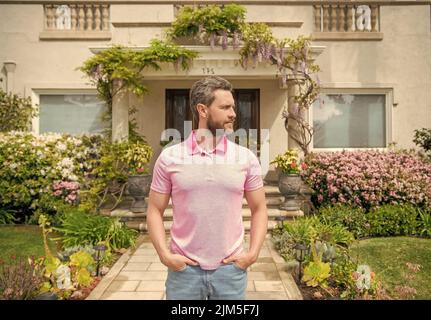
[142, 226]
[271, 202]
[273, 214]
[271, 190]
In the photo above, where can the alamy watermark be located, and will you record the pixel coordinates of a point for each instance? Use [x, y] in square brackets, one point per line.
[248, 139]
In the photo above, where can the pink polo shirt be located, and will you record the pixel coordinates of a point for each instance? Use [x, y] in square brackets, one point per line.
[207, 189]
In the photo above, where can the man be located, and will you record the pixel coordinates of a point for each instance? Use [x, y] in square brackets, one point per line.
[207, 176]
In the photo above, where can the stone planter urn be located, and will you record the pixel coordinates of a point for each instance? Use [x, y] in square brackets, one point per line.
[139, 187]
[289, 186]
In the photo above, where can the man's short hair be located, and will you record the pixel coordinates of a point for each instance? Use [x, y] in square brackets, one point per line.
[202, 92]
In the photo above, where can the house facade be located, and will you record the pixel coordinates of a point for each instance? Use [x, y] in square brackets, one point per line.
[374, 56]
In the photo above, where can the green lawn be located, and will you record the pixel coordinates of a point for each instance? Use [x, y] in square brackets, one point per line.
[22, 241]
[388, 258]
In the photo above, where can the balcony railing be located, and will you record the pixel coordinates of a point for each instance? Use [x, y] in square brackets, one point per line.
[80, 21]
[341, 21]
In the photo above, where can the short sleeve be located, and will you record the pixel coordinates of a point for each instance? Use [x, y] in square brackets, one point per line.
[253, 180]
[161, 181]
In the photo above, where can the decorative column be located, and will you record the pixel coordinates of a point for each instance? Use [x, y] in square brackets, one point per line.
[317, 18]
[325, 17]
[120, 112]
[300, 200]
[292, 107]
[10, 71]
[105, 17]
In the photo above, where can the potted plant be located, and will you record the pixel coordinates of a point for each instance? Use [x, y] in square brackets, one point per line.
[289, 181]
[137, 157]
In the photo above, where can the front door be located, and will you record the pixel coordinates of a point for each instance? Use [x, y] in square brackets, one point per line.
[247, 111]
[248, 114]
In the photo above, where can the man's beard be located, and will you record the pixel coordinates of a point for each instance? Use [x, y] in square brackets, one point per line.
[217, 129]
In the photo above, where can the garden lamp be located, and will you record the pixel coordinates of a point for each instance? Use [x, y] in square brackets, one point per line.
[100, 251]
[300, 253]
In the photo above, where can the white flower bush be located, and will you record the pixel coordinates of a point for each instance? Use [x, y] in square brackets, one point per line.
[39, 168]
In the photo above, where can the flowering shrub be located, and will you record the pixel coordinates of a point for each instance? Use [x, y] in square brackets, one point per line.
[38, 169]
[66, 190]
[137, 157]
[368, 178]
[423, 139]
[15, 112]
[289, 162]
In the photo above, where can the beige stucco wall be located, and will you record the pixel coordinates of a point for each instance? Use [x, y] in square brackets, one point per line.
[401, 61]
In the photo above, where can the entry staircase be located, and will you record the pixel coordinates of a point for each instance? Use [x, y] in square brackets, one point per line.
[138, 221]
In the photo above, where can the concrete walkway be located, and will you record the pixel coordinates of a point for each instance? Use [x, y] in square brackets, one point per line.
[139, 275]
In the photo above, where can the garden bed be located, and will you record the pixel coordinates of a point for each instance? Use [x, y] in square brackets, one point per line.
[401, 264]
[20, 242]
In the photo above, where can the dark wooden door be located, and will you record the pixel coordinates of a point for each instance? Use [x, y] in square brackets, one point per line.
[248, 113]
[247, 110]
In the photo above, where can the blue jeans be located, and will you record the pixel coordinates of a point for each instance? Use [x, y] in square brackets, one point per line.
[228, 282]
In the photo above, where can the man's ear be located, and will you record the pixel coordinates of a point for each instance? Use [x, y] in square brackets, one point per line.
[202, 110]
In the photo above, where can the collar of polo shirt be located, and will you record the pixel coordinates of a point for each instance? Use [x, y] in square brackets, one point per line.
[193, 147]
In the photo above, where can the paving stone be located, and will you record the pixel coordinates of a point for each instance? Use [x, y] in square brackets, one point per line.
[145, 252]
[151, 286]
[284, 275]
[135, 295]
[265, 295]
[276, 256]
[250, 286]
[146, 245]
[142, 275]
[287, 266]
[144, 259]
[263, 267]
[260, 275]
[157, 266]
[264, 250]
[269, 286]
[264, 260]
[136, 266]
[123, 285]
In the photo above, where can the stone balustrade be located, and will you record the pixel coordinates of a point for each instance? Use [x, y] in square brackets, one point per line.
[342, 17]
[76, 21]
[80, 17]
[346, 21]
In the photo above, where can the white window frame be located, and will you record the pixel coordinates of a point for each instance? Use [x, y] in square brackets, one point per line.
[35, 91]
[389, 103]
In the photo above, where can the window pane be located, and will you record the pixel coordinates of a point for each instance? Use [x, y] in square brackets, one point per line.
[349, 121]
[74, 114]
